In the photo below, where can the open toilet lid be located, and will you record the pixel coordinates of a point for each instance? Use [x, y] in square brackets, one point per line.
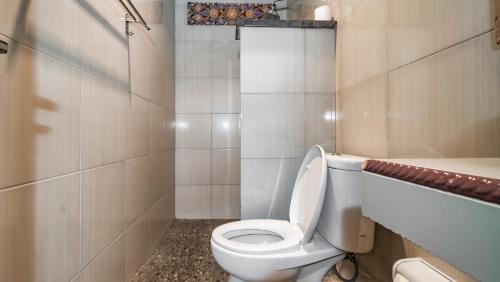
[309, 192]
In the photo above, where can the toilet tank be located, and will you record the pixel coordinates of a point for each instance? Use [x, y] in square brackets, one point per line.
[341, 222]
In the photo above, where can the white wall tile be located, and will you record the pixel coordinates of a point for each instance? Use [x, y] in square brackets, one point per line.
[193, 59]
[226, 131]
[103, 209]
[193, 131]
[185, 32]
[267, 186]
[225, 58]
[225, 201]
[226, 167]
[193, 95]
[193, 167]
[226, 95]
[320, 121]
[193, 202]
[320, 60]
[272, 60]
[40, 117]
[272, 125]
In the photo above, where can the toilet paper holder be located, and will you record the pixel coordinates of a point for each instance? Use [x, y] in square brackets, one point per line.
[4, 47]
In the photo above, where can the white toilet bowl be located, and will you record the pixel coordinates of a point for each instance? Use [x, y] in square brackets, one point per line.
[295, 250]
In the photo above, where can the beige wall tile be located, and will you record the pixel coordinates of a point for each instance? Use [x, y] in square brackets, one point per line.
[436, 103]
[162, 129]
[193, 202]
[390, 247]
[170, 201]
[51, 27]
[103, 209]
[40, 231]
[225, 201]
[170, 89]
[101, 31]
[104, 123]
[417, 28]
[193, 167]
[159, 176]
[158, 221]
[226, 131]
[320, 121]
[193, 131]
[170, 174]
[226, 167]
[138, 127]
[362, 119]
[157, 79]
[138, 188]
[362, 41]
[140, 58]
[39, 117]
[108, 267]
[136, 246]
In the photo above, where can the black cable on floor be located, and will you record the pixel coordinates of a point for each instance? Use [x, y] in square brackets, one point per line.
[350, 257]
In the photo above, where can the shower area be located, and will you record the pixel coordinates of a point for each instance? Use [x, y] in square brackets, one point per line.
[250, 101]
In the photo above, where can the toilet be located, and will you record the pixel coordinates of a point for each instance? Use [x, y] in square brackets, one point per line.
[325, 224]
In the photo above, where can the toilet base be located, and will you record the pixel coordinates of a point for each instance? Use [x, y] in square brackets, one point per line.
[311, 273]
[316, 272]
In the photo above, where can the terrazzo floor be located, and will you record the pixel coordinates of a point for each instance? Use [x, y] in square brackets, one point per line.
[184, 255]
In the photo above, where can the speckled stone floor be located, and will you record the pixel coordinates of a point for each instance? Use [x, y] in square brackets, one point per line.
[184, 255]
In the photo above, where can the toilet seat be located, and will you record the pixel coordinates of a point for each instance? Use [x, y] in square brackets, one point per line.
[290, 233]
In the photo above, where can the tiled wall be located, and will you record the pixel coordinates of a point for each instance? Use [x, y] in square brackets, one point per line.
[86, 139]
[416, 79]
[288, 101]
[208, 120]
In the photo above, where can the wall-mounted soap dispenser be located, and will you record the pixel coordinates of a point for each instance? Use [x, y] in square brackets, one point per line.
[4, 47]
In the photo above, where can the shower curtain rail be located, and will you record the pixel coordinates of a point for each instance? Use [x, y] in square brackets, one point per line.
[135, 14]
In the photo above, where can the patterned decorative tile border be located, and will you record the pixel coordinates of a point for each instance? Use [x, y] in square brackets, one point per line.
[224, 13]
[482, 188]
